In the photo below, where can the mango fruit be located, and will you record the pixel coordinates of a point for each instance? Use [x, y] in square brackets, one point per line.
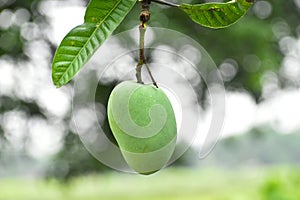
[143, 123]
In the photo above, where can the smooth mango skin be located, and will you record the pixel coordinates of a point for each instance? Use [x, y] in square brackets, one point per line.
[143, 122]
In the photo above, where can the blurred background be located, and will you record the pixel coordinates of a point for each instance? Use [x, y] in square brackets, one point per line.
[257, 157]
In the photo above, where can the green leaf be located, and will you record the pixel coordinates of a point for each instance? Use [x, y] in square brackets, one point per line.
[217, 15]
[102, 17]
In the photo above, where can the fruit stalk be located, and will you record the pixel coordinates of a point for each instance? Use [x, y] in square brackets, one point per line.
[144, 18]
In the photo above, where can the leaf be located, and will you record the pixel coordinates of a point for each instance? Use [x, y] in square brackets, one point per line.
[102, 17]
[217, 15]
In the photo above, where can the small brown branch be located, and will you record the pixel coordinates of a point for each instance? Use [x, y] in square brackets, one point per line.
[162, 2]
[144, 18]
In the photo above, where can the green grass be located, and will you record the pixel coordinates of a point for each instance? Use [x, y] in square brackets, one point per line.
[170, 184]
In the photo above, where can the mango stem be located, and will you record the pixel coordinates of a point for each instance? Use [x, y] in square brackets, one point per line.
[144, 18]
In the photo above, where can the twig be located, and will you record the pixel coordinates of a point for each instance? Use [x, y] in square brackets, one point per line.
[166, 3]
[150, 74]
[144, 18]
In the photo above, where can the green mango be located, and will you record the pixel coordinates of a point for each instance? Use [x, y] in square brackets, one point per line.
[143, 122]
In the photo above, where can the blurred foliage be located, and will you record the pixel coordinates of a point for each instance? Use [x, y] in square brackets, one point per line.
[251, 45]
[30, 108]
[261, 146]
[205, 184]
[15, 16]
[74, 160]
[283, 185]
[190, 185]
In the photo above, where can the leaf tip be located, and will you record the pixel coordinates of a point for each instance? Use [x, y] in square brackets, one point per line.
[56, 83]
[58, 86]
